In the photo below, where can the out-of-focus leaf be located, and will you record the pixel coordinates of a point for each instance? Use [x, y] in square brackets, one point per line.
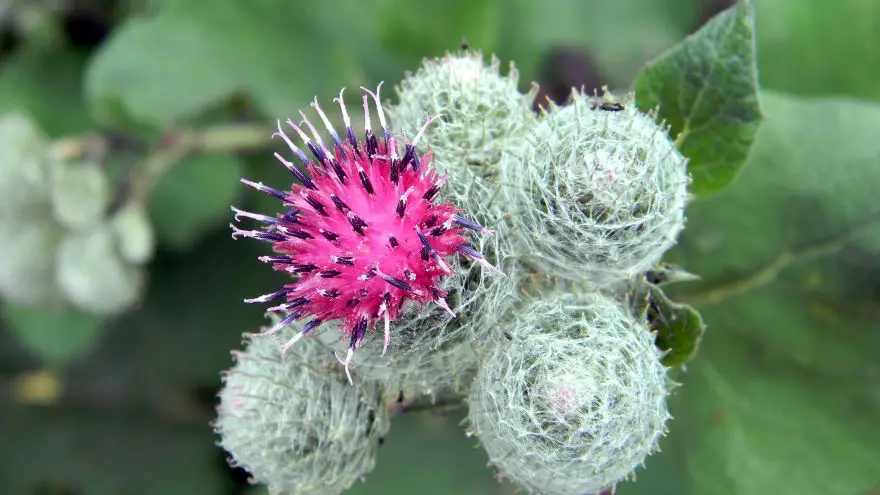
[620, 34]
[819, 48]
[56, 337]
[422, 447]
[782, 397]
[44, 81]
[193, 198]
[104, 453]
[181, 337]
[707, 90]
[176, 65]
[415, 30]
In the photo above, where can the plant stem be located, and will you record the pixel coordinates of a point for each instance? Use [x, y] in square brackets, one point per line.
[173, 147]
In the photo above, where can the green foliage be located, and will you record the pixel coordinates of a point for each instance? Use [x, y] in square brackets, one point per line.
[188, 58]
[781, 396]
[403, 31]
[819, 48]
[679, 327]
[94, 454]
[56, 337]
[706, 90]
[193, 198]
[44, 81]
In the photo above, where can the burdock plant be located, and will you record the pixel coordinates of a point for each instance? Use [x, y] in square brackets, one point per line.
[567, 390]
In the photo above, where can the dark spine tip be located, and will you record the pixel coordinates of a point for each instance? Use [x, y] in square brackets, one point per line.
[396, 282]
[415, 162]
[271, 237]
[438, 231]
[340, 174]
[329, 273]
[365, 181]
[319, 154]
[299, 301]
[431, 220]
[299, 234]
[393, 241]
[344, 260]
[430, 193]
[275, 193]
[357, 223]
[425, 254]
[340, 205]
[291, 216]
[467, 250]
[330, 293]
[330, 236]
[394, 173]
[372, 144]
[352, 140]
[301, 177]
[311, 326]
[318, 207]
[282, 260]
[468, 224]
[304, 268]
[359, 331]
[401, 207]
[407, 157]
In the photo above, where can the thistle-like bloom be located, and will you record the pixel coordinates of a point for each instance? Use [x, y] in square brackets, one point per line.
[363, 232]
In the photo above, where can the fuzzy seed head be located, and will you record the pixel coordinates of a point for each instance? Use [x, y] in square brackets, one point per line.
[600, 194]
[293, 421]
[575, 401]
[364, 232]
[481, 110]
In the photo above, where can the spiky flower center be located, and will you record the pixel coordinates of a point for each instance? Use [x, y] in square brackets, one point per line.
[363, 232]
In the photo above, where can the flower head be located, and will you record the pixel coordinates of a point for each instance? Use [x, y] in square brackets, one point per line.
[364, 231]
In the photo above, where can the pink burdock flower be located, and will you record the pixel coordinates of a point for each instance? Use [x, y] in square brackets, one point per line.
[363, 233]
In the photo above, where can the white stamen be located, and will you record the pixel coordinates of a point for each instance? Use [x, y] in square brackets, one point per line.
[345, 362]
[325, 120]
[378, 103]
[341, 102]
[286, 139]
[314, 133]
[366, 114]
[290, 343]
[237, 232]
[421, 132]
[302, 135]
[442, 303]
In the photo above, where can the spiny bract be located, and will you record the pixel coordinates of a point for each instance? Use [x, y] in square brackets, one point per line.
[483, 112]
[599, 195]
[294, 423]
[575, 401]
[363, 232]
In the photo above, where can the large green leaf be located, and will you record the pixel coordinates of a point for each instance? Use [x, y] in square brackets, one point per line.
[193, 199]
[619, 34]
[56, 337]
[706, 89]
[44, 81]
[101, 452]
[189, 57]
[817, 47]
[783, 396]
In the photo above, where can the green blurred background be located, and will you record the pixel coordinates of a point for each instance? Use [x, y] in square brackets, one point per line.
[124, 408]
